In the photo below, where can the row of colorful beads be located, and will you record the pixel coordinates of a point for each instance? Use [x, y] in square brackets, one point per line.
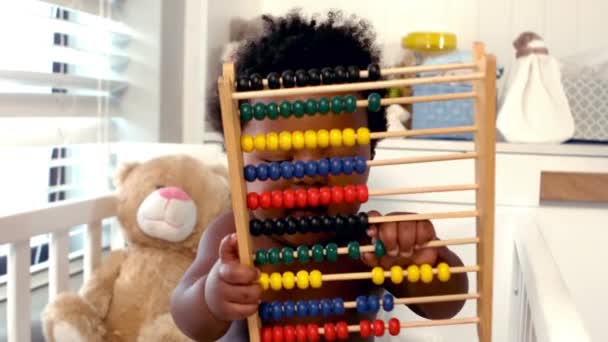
[288, 280]
[310, 139]
[298, 108]
[317, 252]
[331, 331]
[309, 224]
[312, 168]
[313, 197]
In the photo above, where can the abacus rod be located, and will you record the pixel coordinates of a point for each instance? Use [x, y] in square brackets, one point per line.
[418, 132]
[423, 68]
[419, 217]
[424, 159]
[420, 300]
[420, 324]
[351, 87]
[422, 190]
[420, 98]
[387, 274]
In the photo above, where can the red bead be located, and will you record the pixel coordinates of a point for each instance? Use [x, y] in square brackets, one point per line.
[277, 334]
[267, 334]
[362, 194]
[313, 197]
[329, 331]
[253, 200]
[289, 199]
[301, 333]
[394, 326]
[365, 328]
[289, 333]
[313, 332]
[337, 195]
[342, 330]
[301, 198]
[378, 327]
[265, 200]
[325, 196]
[277, 199]
[350, 194]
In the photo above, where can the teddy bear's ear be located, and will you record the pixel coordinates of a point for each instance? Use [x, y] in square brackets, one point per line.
[123, 172]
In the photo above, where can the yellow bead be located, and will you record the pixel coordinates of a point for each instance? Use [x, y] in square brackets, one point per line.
[335, 137]
[264, 280]
[310, 139]
[289, 280]
[302, 280]
[426, 273]
[247, 143]
[363, 137]
[378, 275]
[297, 140]
[348, 137]
[285, 141]
[413, 274]
[315, 279]
[396, 274]
[272, 141]
[323, 138]
[443, 272]
[276, 283]
[260, 142]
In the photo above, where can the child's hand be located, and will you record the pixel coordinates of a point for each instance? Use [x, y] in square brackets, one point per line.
[231, 289]
[402, 241]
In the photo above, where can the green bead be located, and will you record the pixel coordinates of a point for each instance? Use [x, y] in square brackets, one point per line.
[332, 252]
[298, 108]
[287, 254]
[353, 250]
[259, 111]
[274, 256]
[350, 103]
[317, 253]
[303, 254]
[273, 111]
[373, 102]
[285, 109]
[311, 107]
[260, 257]
[246, 112]
[337, 104]
[379, 249]
[323, 105]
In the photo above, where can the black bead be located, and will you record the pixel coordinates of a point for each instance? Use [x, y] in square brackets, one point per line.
[373, 72]
[267, 227]
[339, 224]
[352, 222]
[301, 78]
[326, 223]
[288, 78]
[255, 227]
[315, 224]
[327, 75]
[303, 225]
[243, 84]
[291, 225]
[314, 77]
[279, 227]
[256, 82]
[353, 73]
[274, 80]
[363, 221]
[340, 74]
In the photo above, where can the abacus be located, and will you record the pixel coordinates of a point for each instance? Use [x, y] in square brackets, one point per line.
[338, 79]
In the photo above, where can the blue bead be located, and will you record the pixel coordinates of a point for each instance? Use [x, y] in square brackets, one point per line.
[265, 311]
[274, 171]
[326, 307]
[360, 164]
[388, 302]
[311, 168]
[289, 309]
[313, 308]
[277, 310]
[302, 308]
[250, 173]
[362, 304]
[347, 165]
[373, 303]
[335, 166]
[338, 304]
[323, 167]
[298, 169]
[262, 171]
[286, 170]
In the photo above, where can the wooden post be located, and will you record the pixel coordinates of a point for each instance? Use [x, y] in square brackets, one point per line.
[485, 146]
[232, 138]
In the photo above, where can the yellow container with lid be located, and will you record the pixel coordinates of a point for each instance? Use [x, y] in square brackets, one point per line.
[430, 41]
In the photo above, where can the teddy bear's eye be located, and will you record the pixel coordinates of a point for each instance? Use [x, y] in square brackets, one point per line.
[158, 187]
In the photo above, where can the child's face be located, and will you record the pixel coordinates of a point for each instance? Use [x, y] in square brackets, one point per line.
[315, 122]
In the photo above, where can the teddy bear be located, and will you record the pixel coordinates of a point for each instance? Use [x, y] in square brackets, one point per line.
[163, 207]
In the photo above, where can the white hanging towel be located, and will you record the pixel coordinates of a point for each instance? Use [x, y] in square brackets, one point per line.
[535, 108]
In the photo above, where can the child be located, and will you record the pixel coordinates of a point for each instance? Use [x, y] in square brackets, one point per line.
[217, 293]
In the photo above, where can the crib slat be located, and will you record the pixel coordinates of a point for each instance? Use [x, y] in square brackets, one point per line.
[59, 263]
[18, 299]
[92, 248]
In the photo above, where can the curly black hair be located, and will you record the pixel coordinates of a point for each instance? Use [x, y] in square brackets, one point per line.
[295, 42]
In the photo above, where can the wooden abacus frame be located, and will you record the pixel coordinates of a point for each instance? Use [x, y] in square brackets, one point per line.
[483, 78]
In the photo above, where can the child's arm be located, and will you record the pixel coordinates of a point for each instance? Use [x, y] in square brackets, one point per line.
[215, 291]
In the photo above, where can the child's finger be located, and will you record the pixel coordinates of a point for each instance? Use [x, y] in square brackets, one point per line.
[424, 232]
[238, 274]
[407, 238]
[369, 259]
[388, 234]
[242, 294]
[228, 249]
[372, 230]
[425, 256]
[235, 312]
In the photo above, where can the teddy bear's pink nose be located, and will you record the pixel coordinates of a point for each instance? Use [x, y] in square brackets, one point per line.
[174, 193]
